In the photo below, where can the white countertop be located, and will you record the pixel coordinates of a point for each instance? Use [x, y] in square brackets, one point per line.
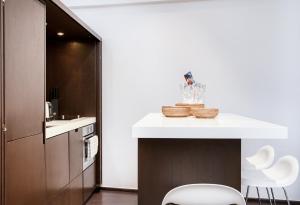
[224, 126]
[61, 126]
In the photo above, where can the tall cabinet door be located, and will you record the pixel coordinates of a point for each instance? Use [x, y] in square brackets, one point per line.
[1, 97]
[25, 181]
[24, 34]
[24, 77]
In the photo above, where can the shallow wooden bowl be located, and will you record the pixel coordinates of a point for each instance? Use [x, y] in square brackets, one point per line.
[174, 111]
[205, 112]
[198, 105]
[190, 106]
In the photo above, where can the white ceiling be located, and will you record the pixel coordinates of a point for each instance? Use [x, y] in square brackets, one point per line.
[100, 3]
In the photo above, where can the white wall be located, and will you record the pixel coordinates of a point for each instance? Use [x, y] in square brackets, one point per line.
[246, 51]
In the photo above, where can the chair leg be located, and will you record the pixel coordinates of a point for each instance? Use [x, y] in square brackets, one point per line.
[273, 196]
[259, 201]
[269, 195]
[286, 196]
[247, 193]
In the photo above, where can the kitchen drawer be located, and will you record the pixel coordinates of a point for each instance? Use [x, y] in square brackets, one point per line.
[76, 153]
[76, 191]
[57, 163]
[89, 181]
[62, 198]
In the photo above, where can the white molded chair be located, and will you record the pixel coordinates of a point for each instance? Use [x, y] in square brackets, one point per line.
[203, 194]
[282, 174]
[263, 158]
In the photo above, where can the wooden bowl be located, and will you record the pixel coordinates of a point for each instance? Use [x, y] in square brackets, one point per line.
[190, 106]
[174, 111]
[205, 112]
[199, 105]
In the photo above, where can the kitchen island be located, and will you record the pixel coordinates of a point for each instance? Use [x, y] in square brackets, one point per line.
[178, 151]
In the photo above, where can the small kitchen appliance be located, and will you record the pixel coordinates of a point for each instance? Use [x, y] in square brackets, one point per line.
[48, 111]
[90, 145]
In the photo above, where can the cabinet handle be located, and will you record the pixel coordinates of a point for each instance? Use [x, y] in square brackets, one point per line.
[4, 129]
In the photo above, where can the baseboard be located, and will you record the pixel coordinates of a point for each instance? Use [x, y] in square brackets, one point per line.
[277, 201]
[118, 189]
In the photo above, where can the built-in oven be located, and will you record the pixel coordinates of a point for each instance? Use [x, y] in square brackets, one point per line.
[88, 132]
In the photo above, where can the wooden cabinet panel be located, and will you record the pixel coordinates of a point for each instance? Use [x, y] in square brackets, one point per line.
[57, 163]
[1, 97]
[71, 68]
[25, 171]
[89, 181]
[76, 153]
[76, 191]
[24, 65]
[62, 198]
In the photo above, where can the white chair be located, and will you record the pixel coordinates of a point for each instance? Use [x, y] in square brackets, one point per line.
[262, 159]
[282, 174]
[203, 194]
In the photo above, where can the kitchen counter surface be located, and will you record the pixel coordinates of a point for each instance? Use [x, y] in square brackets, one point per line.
[224, 126]
[57, 127]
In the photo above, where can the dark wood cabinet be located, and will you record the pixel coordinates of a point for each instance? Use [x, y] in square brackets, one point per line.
[89, 181]
[24, 64]
[24, 82]
[25, 171]
[64, 160]
[76, 191]
[76, 153]
[62, 198]
[1, 107]
[35, 171]
[57, 164]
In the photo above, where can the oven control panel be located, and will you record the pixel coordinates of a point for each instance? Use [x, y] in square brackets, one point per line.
[88, 130]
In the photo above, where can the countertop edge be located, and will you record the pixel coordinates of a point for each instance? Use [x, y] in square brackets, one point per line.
[255, 129]
[233, 133]
[60, 129]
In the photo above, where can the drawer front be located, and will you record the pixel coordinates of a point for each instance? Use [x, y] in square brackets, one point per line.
[76, 153]
[76, 191]
[89, 181]
[57, 163]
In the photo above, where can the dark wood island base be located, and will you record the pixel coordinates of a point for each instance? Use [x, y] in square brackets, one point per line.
[164, 164]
